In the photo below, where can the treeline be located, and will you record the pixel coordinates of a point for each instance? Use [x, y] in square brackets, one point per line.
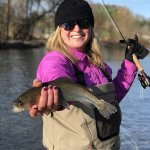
[34, 19]
[27, 19]
[128, 23]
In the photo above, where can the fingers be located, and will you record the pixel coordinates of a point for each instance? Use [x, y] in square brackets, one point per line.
[37, 83]
[56, 97]
[49, 99]
[41, 104]
[52, 97]
[33, 111]
[43, 99]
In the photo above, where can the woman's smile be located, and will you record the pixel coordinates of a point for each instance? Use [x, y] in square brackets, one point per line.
[77, 37]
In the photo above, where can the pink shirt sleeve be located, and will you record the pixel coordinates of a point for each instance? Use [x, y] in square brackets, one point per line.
[54, 65]
[124, 79]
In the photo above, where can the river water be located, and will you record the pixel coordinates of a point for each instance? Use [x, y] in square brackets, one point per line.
[20, 132]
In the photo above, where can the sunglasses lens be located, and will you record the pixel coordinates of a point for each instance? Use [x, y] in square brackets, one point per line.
[69, 26]
[84, 24]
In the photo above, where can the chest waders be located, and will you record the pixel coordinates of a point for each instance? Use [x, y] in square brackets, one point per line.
[106, 129]
[82, 128]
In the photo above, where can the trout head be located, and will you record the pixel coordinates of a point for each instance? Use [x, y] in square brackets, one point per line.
[26, 99]
[18, 105]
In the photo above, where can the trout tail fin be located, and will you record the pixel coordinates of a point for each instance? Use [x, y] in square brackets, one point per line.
[106, 109]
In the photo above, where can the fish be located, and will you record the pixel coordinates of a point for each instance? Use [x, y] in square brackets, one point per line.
[68, 91]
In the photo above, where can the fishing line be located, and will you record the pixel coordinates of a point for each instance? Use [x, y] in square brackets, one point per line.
[126, 137]
[141, 92]
[112, 20]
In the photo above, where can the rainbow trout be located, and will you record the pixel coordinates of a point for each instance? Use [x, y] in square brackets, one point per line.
[68, 91]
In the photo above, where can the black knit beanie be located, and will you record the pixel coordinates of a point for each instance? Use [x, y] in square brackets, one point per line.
[73, 10]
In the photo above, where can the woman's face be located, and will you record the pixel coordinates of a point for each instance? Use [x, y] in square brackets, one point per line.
[76, 38]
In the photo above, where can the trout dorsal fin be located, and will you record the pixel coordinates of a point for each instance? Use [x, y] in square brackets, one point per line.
[58, 80]
[64, 79]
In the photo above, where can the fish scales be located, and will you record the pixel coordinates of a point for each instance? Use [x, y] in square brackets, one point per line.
[69, 91]
[83, 95]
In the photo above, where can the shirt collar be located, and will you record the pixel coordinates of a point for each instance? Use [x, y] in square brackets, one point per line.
[81, 56]
[78, 54]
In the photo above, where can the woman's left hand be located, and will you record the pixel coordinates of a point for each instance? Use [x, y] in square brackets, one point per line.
[47, 100]
[134, 47]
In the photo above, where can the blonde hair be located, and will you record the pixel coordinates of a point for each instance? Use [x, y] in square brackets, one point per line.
[56, 43]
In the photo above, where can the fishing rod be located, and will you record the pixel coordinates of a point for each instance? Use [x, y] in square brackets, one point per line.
[142, 76]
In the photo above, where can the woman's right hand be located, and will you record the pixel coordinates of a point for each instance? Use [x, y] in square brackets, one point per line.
[47, 100]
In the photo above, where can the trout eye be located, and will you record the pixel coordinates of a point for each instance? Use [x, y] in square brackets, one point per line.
[20, 104]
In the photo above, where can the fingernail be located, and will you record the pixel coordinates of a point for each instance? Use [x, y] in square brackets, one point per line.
[55, 88]
[35, 107]
[50, 86]
[45, 88]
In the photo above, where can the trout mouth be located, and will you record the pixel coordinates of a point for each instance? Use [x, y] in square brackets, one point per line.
[18, 109]
[18, 106]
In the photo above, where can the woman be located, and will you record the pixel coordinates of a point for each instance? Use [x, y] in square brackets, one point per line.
[74, 53]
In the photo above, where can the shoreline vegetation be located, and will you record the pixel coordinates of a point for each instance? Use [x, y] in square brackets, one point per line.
[40, 44]
[27, 24]
[20, 44]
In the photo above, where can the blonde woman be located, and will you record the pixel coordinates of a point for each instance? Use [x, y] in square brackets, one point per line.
[74, 52]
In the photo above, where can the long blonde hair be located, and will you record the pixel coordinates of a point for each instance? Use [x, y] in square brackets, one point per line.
[93, 51]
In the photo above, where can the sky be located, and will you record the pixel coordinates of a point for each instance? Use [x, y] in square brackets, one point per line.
[138, 7]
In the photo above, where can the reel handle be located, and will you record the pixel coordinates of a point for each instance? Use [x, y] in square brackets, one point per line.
[137, 63]
[143, 78]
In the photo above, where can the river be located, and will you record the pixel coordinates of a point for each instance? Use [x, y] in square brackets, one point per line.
[20, 132]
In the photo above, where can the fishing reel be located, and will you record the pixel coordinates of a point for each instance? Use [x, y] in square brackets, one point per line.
[144, 79]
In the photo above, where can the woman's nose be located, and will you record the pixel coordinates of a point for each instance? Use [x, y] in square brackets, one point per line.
[76, 28]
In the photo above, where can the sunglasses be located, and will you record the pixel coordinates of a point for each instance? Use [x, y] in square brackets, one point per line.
[83, 24]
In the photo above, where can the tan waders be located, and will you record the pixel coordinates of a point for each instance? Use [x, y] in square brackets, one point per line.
[72, 129]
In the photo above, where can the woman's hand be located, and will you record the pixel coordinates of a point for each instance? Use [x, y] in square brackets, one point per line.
[134, 47]
[48, 99]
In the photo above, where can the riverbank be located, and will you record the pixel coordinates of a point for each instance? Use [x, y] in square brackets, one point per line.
[21, 44]
[38, 44]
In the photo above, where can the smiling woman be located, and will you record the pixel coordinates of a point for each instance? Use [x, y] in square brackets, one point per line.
[74, 52]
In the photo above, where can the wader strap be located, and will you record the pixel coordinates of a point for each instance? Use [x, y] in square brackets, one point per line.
[79, 75]
[109, 78]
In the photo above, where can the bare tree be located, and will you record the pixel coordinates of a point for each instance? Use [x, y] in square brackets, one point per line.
[35, 10]
[8, 20]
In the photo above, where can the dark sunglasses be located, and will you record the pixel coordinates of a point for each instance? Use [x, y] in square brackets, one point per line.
[83, 24]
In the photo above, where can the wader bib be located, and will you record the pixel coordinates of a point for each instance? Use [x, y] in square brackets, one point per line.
[80, 128]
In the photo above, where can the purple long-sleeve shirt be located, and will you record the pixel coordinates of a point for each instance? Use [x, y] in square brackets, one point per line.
[55, 65]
